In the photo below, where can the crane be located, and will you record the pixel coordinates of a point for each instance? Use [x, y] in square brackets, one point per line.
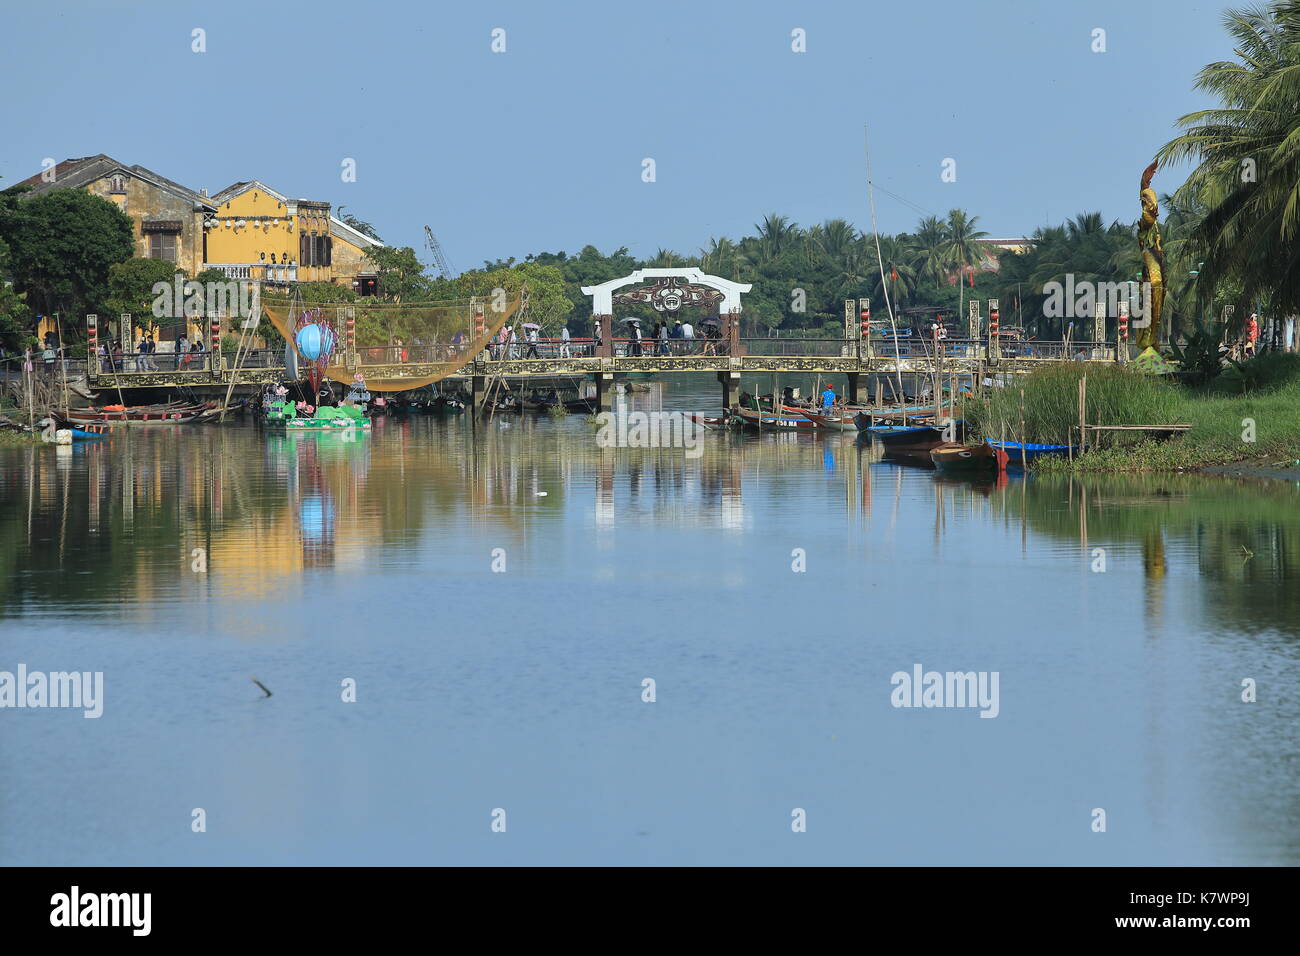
[435, 248]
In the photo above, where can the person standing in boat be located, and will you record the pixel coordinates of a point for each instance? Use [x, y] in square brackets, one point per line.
[828, 397]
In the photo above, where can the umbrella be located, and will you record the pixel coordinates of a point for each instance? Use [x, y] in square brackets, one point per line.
[531, 325]
[632, 321]
[710, 322]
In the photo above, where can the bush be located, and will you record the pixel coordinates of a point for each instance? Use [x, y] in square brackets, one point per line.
[1269, 370]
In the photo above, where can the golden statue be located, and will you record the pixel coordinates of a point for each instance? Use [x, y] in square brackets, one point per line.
[1153, 262]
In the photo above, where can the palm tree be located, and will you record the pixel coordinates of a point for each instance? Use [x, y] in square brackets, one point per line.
[1249, 167]
[836, 237]
[929, 249]
[720, 257]
[896, 256]
[775, 233]
[962, 247]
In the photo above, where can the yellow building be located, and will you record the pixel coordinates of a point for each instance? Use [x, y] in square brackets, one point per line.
[259, 233]
[352, 264]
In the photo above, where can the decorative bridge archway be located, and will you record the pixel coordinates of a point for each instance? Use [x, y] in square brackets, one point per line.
[668, 294]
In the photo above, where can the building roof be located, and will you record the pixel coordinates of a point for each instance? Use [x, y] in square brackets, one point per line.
[237, 189]
[358, 239]
[75, 173]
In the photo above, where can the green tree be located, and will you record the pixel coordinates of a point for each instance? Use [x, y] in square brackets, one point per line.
[61, 245]
[1248, 167]
[360, 225]
[402, 276]
[130, 289]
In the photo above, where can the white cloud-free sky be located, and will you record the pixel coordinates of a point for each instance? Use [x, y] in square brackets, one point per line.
[541, 148]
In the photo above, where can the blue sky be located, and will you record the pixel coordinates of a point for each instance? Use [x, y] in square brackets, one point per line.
[540, 148]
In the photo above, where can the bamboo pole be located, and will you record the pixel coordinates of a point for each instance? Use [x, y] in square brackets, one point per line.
[1023, 456]
[63, 362]
[1083, 409]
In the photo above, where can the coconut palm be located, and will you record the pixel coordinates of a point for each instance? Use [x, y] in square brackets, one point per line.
[962, 247]
[930, 249]
[775, 234]
[899, 274]
[1248, 170]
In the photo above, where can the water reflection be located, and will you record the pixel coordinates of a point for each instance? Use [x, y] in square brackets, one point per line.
[326, 557]
[89, 527]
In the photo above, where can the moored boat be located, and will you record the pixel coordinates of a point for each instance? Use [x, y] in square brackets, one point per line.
[954, 458]
[283, 414]
[912, 437]
[1022, 453]
[707, 421]
[777, 422]
[135, 415]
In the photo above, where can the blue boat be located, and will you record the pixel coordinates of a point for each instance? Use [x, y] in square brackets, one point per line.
[81, 434]
[1025, 452]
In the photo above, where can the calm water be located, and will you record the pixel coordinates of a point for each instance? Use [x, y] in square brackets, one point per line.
[522, 690]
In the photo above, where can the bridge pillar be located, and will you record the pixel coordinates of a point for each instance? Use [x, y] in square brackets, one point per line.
[853, 393]
[730, 382]
[477, 394]
[603, 331]
[604, 391]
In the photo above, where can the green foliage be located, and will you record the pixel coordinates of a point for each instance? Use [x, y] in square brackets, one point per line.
[1246, 222]
[1116, 396]
[61, 245]
[130, 289]
[15, 317]
[1200, 355]
[1269, 370]
[360, 225]
[548, 305]
[402, 276]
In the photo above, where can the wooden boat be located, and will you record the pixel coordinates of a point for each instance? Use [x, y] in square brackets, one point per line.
[1022, 453]
[707, 421]
[864, 419]
[912, 437]
[954, 458]
[443, 405]
[833, 420]
[135, 415]
[777, 422]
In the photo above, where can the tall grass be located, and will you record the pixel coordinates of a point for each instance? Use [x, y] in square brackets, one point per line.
[1262, 425]
[1116, 396]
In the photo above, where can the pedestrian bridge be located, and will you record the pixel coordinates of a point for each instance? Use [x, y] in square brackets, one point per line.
[604, 362]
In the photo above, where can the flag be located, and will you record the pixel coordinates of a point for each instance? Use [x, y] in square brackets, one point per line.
[972, 278]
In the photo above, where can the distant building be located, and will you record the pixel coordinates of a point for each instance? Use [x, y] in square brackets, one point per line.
[352, 265]
[995, 248]
[259, 233]
[248, 230]
[168, 217]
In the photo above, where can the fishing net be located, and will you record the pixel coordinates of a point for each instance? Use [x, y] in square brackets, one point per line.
[393, 347]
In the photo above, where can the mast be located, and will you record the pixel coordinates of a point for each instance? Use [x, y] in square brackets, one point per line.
[884, 286]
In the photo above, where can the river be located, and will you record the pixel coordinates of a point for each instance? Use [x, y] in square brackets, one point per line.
[497, 600]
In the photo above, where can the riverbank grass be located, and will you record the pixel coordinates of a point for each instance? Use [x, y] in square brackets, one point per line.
[1248, 414]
